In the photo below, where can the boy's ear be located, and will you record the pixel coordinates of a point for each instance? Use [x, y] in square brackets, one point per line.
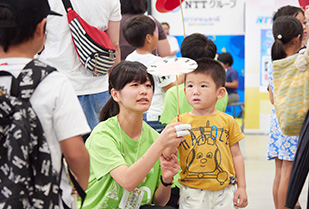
[115, 95]
[221, 93]
[40, 28]
[148, 38]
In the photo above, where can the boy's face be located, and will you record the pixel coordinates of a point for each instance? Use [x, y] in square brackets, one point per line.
[166, 29]
[154, 40]
[201, 92]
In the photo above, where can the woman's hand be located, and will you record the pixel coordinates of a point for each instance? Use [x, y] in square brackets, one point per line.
[169, 138]
[169, 167]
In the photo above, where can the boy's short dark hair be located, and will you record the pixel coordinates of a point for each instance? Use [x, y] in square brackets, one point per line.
[19, 19]
[197, 46]
[137, 28]
[226, 58]
[13, 36]
[212, 68]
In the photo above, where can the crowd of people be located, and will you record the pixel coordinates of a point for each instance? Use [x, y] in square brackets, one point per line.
[119, 133]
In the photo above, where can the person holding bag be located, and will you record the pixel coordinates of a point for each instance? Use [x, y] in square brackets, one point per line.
[92, 91]
[287, 32]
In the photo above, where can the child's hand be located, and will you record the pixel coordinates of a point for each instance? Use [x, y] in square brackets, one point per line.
[169, 167]
[240, 198]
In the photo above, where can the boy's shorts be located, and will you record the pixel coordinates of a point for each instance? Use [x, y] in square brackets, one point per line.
[203, 199]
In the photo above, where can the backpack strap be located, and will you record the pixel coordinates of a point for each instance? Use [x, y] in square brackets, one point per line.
[30, 77]
[78, 188]
[5, 115]
[67, 5]
[76, 185]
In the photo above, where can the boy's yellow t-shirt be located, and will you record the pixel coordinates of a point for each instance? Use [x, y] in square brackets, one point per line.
[205, 158]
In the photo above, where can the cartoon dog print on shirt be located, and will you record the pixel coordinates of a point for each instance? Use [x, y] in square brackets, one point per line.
[204, 158]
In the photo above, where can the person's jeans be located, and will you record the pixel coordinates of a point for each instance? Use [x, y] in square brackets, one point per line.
[92, 105]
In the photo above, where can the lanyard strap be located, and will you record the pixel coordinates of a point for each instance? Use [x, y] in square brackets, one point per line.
[122, 143]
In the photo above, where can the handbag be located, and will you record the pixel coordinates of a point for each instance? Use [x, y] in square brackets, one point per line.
[94, 47]
[291, 92]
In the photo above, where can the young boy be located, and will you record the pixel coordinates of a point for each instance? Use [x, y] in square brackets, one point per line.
[140, 32]
[22, 35]
[194, 46]
[210, 158]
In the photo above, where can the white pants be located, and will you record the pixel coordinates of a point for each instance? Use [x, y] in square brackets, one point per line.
[191, 198]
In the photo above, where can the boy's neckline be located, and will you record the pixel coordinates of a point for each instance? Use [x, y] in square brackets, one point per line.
[142, 51]
[211, 114]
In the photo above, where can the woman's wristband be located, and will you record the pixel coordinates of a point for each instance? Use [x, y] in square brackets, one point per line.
[164, 183]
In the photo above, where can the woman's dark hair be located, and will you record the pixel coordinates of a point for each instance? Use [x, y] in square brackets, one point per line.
[12, 36]
[285, 29]
[226, 58]
[288, 11]
[133, 6]
[122, 74]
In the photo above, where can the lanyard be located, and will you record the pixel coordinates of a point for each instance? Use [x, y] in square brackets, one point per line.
[139, 143]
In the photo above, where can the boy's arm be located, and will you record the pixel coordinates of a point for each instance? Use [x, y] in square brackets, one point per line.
[165, 88]
[240, 196]
[233, 84]
[180, 81]
[77, 157]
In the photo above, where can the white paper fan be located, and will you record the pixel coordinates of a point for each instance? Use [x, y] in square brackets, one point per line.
[172, 66]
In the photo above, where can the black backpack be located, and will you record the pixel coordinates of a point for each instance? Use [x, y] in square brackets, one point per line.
[27, 177]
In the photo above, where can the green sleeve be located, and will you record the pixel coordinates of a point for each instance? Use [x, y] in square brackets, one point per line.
[170, 106]
[104, 150]
[222, 103]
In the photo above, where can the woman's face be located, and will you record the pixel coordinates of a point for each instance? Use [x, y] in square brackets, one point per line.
[135, 96]
[303, 21]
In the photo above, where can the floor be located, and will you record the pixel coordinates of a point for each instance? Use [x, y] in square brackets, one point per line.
[260, 173]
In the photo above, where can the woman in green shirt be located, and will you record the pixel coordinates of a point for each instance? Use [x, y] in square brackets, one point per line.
[127, 169]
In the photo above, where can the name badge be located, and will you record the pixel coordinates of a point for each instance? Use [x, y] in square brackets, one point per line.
[131, 200]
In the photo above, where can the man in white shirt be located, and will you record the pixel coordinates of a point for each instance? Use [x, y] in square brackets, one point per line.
[59, 51]
[22, 35]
